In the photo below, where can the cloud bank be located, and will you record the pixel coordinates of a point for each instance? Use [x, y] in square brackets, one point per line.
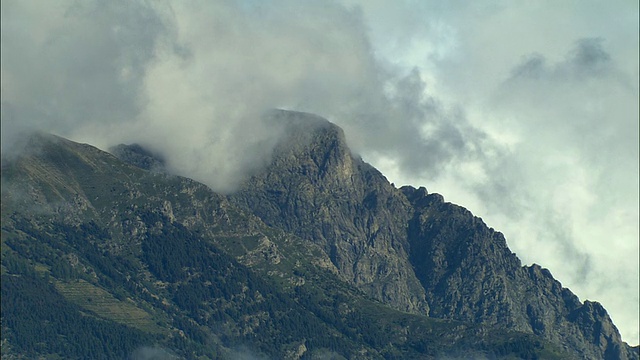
[191, 80]
[534, 128]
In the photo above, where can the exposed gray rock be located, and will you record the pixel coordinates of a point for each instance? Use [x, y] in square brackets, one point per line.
[316, 189]
[469, 274]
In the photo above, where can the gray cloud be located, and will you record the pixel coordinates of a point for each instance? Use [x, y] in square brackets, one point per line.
[68, 64]
[192, 82]
[590, 57]
[412, 127]
[586, 60]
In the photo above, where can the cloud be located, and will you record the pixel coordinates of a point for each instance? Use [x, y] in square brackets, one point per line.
[192, 82]
[575, 166]
[289, 56]
[68, 64]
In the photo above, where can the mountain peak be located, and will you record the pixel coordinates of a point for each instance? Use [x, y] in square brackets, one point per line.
[313, 144]
[408, 248]
[300, 130]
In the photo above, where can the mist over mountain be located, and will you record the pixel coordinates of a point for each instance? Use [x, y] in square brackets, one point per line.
[316, 254]
[535, 129]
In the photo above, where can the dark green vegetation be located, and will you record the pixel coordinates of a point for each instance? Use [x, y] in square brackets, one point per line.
[101, 259]
[37, 320]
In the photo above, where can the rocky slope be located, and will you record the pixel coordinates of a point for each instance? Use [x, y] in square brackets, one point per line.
[412, 250]
[469, 274]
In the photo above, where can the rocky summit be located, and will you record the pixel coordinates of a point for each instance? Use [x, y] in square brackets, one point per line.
[315, 256]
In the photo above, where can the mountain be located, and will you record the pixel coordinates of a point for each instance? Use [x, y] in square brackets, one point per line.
[315, 257]
[413, 251]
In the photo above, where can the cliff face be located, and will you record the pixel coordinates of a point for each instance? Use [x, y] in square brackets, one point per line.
[412, 250]
[469, 274]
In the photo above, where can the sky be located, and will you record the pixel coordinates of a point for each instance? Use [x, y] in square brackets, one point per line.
[524, 112]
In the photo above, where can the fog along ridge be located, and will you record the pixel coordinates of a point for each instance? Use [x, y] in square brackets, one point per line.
[412, 250]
